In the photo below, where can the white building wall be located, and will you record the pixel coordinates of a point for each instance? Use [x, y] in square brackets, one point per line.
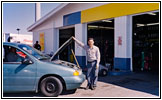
[55, 39]
[123, 52]
[35, 37]
[48, 39]
[48, 24]
[81, 35]
[123, 29]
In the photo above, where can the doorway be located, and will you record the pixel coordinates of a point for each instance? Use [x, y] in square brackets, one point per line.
[103, 34]
[64, 35]
[146, 42]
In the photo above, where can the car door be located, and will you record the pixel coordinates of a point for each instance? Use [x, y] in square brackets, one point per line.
[18, 76]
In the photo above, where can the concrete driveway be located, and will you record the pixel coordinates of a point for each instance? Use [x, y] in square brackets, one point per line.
[134, 85]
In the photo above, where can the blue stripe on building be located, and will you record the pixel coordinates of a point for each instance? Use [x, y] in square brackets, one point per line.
[122, 63]
[71, 19]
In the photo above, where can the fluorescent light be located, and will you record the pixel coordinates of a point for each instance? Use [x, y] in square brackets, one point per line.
[151, 13]
[152, 24]
[139, 25]
[107, 21]
[106, 27]
[92, 26]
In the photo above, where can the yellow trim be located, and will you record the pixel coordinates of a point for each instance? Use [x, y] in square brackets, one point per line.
[115, 10]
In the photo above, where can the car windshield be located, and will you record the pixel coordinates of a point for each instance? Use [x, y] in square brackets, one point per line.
[36, 53]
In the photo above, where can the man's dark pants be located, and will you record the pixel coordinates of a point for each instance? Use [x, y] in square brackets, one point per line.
[92, 73]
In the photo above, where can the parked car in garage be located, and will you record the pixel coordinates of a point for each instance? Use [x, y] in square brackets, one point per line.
[103, 70]
[30, 70]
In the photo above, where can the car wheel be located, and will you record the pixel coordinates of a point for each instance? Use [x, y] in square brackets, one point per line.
[51, 86]
[104, 72]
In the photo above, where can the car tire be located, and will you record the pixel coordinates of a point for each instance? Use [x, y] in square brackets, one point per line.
[51, 86]
[104, 72]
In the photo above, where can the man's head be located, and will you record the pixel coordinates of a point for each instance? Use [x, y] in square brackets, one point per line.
[90, 42]
[36, 42]
[13, 50]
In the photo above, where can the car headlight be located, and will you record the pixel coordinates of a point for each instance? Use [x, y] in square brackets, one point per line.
[76, 73]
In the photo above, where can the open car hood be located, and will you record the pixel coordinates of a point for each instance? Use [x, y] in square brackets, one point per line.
[55, 55]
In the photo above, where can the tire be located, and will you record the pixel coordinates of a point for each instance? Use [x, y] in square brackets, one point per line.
[51, 86]
[104, 72]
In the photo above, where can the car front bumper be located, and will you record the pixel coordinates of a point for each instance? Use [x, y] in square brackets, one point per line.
[74, 81]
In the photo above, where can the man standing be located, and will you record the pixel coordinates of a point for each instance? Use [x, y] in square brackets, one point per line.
[93, 60]
[37, 46]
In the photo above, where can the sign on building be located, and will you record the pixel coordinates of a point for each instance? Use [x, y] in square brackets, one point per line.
[41, 39]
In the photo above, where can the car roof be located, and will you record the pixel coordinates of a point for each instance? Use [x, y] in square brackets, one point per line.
[12, 43]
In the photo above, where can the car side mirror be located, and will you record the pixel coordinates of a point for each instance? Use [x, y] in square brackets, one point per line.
[27, 61]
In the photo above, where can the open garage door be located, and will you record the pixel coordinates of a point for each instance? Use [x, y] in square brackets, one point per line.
[146, 42]
[103, 34]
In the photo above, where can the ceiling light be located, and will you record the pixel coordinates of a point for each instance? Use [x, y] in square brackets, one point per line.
[92, 26]
[139, 25]
[152, 24]
[151, 13]
[107, 21]
[106, 27]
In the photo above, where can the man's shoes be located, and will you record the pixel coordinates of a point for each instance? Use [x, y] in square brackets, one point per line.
[93, 87]
[87, 88]
[90, 87]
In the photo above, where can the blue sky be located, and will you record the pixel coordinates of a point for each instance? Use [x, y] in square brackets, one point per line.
[22, 15]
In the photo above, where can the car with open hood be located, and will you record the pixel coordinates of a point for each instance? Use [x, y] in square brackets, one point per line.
[27, 69]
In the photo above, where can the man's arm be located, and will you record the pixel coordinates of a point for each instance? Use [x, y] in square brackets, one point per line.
[79, 42]
[98, 58]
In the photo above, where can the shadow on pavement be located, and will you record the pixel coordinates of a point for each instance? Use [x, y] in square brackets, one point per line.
[24, 94]
[140, 81]
[32, 94]
[68, 92]
[71, 91]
